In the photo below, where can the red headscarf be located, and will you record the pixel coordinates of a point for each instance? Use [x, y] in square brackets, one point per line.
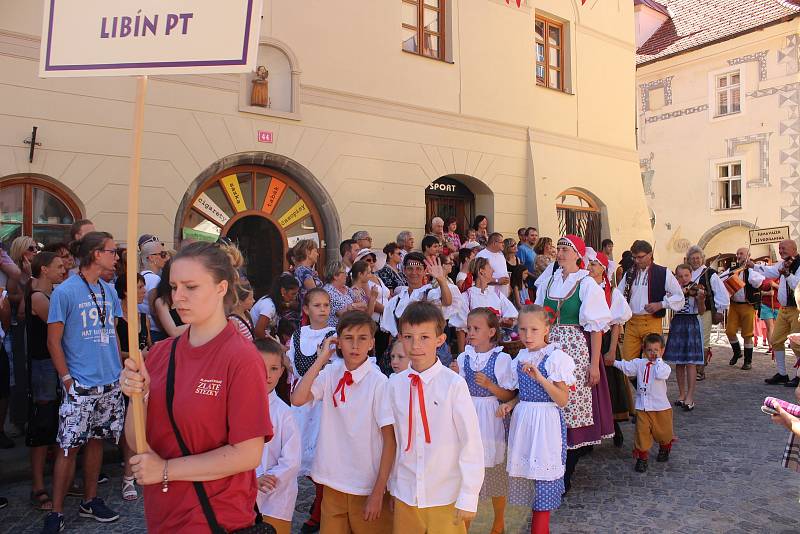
[575, 243]
[603, 259]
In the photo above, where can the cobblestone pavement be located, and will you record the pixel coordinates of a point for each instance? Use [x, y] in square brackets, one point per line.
[724, 475]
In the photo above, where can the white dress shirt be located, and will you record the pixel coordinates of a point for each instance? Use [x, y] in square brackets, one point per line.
[651, 391]
[595, 315]
[722, 300]
[281, 459]
[491, 297]
[620, 310]
[455, 314]
[263, 306]
[498, 262]
[755, 279]
[383, 297]
[773, 271]
[450, 468]
[350, 443]
[640, 297]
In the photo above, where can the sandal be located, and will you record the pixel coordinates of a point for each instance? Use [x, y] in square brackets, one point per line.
[129, 492]
[41, 501]
[688, 407]
[679, 403]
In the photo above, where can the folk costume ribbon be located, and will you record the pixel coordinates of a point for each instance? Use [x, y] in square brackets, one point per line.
[346, 380]
[416, 382]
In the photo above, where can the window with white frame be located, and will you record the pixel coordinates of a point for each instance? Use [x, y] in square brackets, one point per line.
[728, 94]
[727, 186]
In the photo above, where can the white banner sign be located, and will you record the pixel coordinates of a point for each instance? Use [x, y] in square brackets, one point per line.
[113, 38]
[210, 209]
[765, 236]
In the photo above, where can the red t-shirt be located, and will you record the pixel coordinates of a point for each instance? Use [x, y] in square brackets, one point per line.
[220, 399]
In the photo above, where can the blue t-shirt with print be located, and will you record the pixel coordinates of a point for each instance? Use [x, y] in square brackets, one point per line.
[527, 256]
[90, 348]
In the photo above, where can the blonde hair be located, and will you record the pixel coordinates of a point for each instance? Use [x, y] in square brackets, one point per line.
[20, 245]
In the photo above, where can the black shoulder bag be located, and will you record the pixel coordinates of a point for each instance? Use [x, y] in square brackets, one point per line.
[202, 496]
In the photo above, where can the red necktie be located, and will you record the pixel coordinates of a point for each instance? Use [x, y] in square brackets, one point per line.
[416, 381]
[346, 380]
[647, 372]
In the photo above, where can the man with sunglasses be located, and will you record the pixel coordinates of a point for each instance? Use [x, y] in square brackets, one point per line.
[152, 258]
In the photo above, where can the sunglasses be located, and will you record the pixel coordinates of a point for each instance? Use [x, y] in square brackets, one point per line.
[34, 248]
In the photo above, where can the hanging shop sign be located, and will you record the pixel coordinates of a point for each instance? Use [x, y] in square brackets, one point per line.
[205, 205]
[295, 214]
[765, 236]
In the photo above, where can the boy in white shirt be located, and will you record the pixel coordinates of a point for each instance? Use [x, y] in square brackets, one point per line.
[653, 410]
[280, 461]
[438, 471]
[356, 445]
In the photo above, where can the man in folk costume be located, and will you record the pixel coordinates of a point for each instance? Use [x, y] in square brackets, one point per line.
[787, 322]
[649, 289]
[742, 313]
[717, 299]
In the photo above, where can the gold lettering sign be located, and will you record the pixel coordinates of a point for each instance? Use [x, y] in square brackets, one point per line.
[209, 208]
[296, 213]
[230, 184]
[274, 193]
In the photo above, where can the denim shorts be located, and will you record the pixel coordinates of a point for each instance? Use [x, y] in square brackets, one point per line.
[44, 381]
[767, 313]
[90, 413]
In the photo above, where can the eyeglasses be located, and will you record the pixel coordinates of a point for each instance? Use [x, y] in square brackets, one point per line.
[163, 254]
[113, 251]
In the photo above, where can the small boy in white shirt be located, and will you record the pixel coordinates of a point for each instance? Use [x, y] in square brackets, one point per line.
[438, 471]
[356, 445]
[280, 461]
[653, 410]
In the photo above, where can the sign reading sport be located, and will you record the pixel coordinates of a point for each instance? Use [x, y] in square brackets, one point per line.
[102, 38]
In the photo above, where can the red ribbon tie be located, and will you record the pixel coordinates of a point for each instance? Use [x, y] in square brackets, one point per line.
[647, 372]
[416, 382]
[346, 380]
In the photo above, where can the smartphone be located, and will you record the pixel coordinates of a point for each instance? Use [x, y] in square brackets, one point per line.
[769, 411]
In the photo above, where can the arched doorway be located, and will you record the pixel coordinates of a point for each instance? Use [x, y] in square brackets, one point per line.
[262, 210]
[579, 214]
[448, 197]
[261, 245]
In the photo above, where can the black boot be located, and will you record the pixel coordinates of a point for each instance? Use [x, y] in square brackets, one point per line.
[748, 358]
[573, 455]
[663, 455]
[737, 353]
[641, 466]
[618, 438]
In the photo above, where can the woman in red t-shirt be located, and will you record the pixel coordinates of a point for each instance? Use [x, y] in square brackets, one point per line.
[220, 405]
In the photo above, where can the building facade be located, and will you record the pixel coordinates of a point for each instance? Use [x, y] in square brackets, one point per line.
[718, 122]
[367, 115]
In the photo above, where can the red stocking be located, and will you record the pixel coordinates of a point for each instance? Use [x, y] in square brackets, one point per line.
[316, 509]
[540, 524]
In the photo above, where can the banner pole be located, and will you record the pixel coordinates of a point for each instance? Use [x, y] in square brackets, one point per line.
[137, 401]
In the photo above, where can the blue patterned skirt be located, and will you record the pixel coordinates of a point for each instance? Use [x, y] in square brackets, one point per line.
[685, 341]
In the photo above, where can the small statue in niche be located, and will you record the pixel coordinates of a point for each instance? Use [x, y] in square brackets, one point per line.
[259, 95]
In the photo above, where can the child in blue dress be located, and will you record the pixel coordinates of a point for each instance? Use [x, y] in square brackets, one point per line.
[537, 440]
[490, 377]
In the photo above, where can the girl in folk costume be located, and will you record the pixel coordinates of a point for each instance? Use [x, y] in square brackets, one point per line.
[489, 373]
[579, 305]
[537, 440]
[302, 352]
[685, 341]
[482, 295]
[618, 388]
